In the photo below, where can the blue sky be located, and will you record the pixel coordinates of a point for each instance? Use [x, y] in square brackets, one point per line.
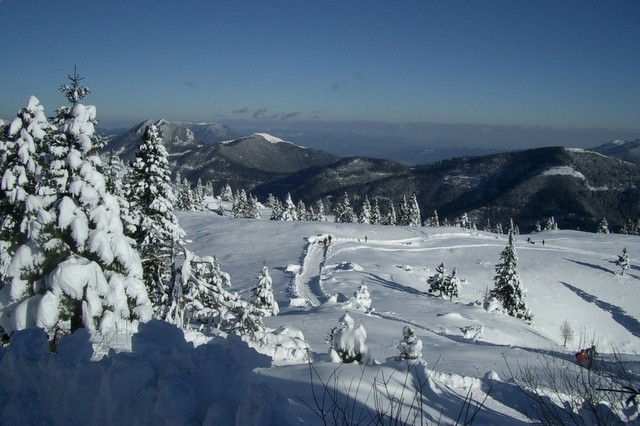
[521, 64]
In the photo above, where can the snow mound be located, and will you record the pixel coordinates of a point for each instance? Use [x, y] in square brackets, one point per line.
[453, 315]
[285, 345]
[294, 268]
[164, 380]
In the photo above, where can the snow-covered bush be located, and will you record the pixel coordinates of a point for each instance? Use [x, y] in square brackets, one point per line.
[489, 302]
[347, 342]
[473, 332]
[361, 299]
[623, 261]
[284, 345]
[410, 346]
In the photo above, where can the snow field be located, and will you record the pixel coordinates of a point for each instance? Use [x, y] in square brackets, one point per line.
[161, 375]
[572, 277]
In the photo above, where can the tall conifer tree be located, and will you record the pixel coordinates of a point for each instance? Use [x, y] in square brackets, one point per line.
[158, 232]
[508, 287]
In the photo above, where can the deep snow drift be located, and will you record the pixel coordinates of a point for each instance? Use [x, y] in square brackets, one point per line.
[155, 376]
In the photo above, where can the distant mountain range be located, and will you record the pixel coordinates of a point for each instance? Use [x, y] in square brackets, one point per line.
[577, 187]
[624, 150]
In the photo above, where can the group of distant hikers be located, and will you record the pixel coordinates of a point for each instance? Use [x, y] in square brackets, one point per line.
[586, 357]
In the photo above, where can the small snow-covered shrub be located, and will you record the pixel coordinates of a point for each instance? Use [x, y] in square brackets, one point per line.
[284, 345]
[347, 341]
[410, 346]
[361, 299]
[473, 332]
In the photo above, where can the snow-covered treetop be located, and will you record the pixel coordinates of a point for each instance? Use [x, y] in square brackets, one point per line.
[346, 320]
[74, 92]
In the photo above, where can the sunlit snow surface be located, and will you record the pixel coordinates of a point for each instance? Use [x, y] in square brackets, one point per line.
[571, 277]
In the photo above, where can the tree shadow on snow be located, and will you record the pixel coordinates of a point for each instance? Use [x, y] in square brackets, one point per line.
[358, 394]
[395, 286]
[591, 265]
[617, 313]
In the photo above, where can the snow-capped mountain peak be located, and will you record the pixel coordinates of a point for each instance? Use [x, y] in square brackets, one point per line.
[269, 138]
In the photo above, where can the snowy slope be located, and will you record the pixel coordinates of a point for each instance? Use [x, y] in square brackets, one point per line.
[571, 277]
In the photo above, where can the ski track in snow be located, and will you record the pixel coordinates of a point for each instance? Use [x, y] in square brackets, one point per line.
[306, 283]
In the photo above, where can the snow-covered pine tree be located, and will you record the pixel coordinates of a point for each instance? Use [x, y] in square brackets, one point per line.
[623, 261]
[158, 232]
[311, 214]
[376, 217]
[320, 217]
[410, 346]
[437, 281]
[343, 211]
[551, 224]
[77, 268]
[271, 201]
[22, 157]
[403, 212]
[181, 192]
[414, 212]
[289, 212]
[116, 176]
[208, 189]
[253, 212]
[365, 212]
[347, 342]
[200, 190]
[508, 288]
[433, 220]
[22, 147]
[239, 206]
[603, 226]
[277, 210]
[451, 285]
[391, 218]
[463, 222]
[301, 210]
[263, 297]
[227, 193]
[186, 197]
[198, 196]
[200, 297]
